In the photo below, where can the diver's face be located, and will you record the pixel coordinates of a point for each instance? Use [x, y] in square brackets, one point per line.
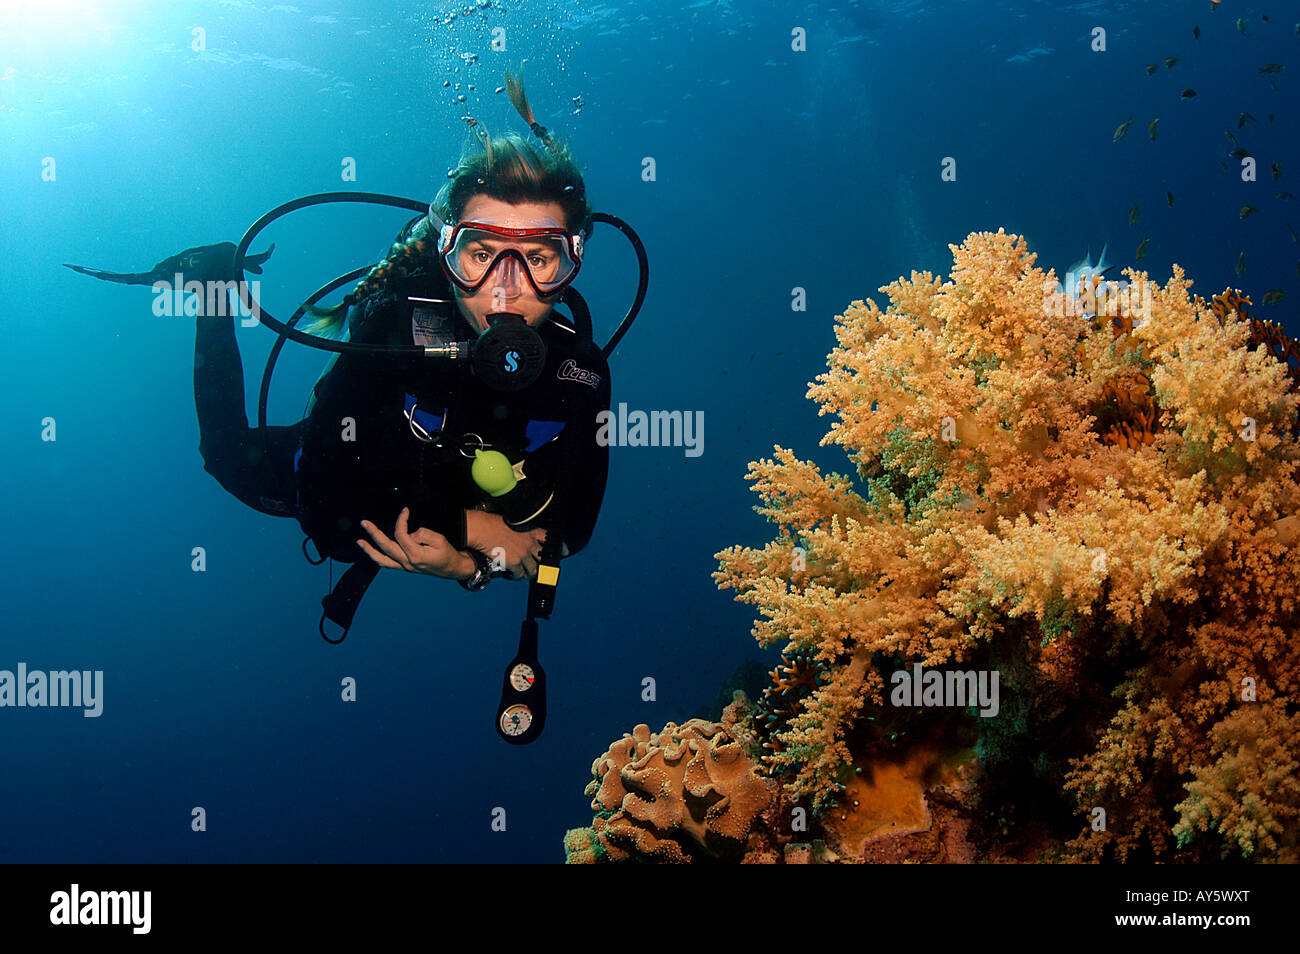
[504, 291]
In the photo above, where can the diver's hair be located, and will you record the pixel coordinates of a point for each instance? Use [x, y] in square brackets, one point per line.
[508, 168]
[512, 170]
[402, 259]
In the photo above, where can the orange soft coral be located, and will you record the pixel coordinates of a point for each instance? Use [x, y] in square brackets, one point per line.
[1070, 492]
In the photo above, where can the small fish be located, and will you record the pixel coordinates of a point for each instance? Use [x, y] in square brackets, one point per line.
[1247, 211]
[1295, 240]
[1170, 196]
[1273, 83]
[1265, 16]
[1122, 129]
[1151, 69]
[1142, 248]
[1276, 168]
[1270, 117]
[1170, 61]
[1241, 264]
[1152, 131]
[1196, 33]
[1271, 68]
[1133, 215]
[1231, 138]
[1241, 27]
[1240, 153]
[1273, 296]
[1187, 94]
[1245, 118]
[1284, 196]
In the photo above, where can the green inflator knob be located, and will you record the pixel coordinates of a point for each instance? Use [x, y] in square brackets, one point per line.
[493, 472]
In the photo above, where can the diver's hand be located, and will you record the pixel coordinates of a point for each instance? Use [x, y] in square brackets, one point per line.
[520, 551]
[425, 551]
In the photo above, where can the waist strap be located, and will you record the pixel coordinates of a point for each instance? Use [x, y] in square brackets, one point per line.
[342, 602]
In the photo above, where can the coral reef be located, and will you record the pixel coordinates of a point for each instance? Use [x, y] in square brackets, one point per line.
[913, 807]
[1127, 412]
[916, 808]
[1102, 511]
[688, 792]
[794, 678]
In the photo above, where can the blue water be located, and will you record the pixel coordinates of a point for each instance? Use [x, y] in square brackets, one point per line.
[775, 169]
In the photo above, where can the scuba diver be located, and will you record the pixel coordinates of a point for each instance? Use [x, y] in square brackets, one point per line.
[381, 468]
[455, 432]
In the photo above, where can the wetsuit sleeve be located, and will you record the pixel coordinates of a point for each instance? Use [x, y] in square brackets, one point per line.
[585, 464]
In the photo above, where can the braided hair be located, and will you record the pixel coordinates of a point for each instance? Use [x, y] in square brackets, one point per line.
[508, 168]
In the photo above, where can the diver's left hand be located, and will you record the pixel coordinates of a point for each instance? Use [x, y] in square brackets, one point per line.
[425, 551]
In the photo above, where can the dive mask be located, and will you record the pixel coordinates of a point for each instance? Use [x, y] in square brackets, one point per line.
[548, 257]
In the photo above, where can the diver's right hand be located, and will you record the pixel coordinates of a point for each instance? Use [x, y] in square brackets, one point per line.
[421, 551]
[520, 552]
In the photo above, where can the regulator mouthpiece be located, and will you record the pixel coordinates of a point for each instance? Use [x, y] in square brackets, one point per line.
[510, 355]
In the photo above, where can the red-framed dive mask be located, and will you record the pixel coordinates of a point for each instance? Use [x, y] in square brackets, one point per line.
[472, 253]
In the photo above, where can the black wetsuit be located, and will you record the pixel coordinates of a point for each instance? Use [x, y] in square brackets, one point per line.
[356, 455]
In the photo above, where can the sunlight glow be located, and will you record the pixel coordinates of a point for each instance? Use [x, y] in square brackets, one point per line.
[28, 24]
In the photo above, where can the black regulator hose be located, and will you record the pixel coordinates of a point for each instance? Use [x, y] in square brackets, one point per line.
[286, 331]
[643, 282]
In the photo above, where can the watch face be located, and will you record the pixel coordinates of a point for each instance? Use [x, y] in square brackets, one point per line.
[482, 572]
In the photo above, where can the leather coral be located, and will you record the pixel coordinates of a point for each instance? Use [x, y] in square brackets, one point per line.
[686, 792]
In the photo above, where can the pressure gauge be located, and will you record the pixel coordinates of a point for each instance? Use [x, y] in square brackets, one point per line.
[516, 720]
[521, 677]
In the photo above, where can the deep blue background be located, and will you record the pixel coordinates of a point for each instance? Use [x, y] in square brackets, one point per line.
[776, 169]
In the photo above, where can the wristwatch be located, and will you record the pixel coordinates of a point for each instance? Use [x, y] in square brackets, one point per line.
[482, 570]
